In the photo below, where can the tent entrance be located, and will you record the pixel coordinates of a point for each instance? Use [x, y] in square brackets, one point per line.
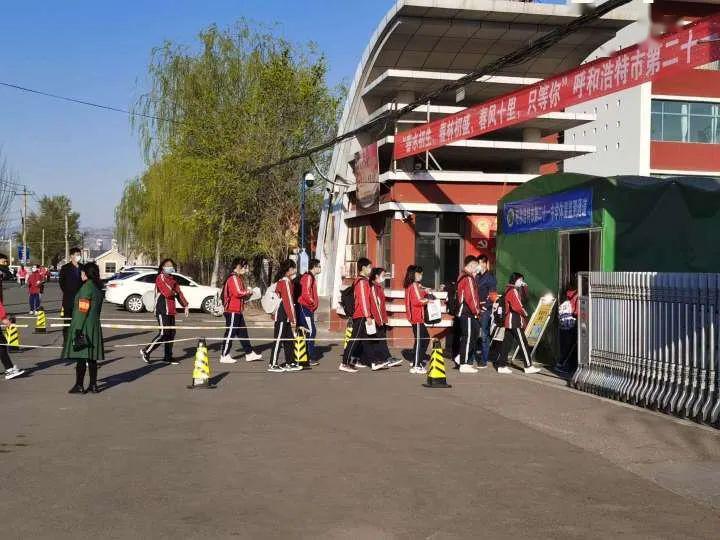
[580, 251]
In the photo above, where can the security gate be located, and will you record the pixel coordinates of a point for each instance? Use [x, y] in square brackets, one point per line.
[651, 340]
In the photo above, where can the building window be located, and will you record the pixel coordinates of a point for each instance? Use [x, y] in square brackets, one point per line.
[110, 267]
[685, 121]
[439, 247]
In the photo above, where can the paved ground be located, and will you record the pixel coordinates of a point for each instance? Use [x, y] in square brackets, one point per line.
[322, 454]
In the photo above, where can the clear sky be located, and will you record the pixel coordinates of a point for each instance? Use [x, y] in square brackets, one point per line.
[98, 51]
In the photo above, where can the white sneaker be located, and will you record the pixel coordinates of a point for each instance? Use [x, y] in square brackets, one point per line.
[13, 372]
[504, 370]
[418, 370]
[347, 368]
[467, 368]
[292, 367]
[532, 369]
[394, 362]
[276, 369]
[253, 357]
[227, 359]
[381, 365]
[359, 365]
[457, 359]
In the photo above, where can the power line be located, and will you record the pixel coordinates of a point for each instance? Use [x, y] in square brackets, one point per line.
[83, 102]
[518, 56]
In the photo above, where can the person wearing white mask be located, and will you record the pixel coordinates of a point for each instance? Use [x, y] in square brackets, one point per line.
[70, 282]
[515, 320]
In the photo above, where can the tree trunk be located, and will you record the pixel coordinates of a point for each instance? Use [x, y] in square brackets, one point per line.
[216, 261]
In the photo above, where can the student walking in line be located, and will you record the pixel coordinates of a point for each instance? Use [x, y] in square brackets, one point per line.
[361, 316]
[234, 294]
[486, 287]
[167, 291]
[34, 283]
[416, 298]
[85, 342]
[308, 302]
[379, 352]
[11, 370]
[70, 283]
[515, 320]
[467, 315]
[285, 319]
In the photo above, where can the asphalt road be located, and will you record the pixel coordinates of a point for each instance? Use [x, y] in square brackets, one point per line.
[322, 454]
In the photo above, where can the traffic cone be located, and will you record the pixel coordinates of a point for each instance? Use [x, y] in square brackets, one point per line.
[40, 322]
[62, 312]
[436, 371]
[201, 370]
[348, 335]
[301, 356]
[12, 336]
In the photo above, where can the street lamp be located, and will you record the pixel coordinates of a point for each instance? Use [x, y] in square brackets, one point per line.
[307, 181]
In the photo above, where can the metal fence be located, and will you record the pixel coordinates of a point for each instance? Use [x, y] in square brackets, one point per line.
[651, 339]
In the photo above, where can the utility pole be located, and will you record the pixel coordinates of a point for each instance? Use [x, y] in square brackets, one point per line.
[42, 249]
[24, 194]
[67, 247]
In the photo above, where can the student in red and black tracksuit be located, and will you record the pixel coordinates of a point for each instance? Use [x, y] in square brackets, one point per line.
[361, 315]
[416, 297]
[167, 291]
[515, 320]
[380, 352]
[34, 283]
[468, 313]
[285, 319]
[308, 303]
[11, 371]
[235, 293]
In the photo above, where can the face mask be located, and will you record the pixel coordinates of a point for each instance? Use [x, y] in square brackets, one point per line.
[168, 269]
[33, 269]
[519, 283]
[76, 258]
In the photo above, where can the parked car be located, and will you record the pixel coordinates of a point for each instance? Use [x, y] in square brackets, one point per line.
[128, 291]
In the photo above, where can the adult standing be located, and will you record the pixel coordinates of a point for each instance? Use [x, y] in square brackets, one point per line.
[468, 303]
[308, 302]
[70, 283]
[515, 320]
[167, 291]
[486, 285]
[234, 294]
[34, 283]
[416, 298]
[85, 345]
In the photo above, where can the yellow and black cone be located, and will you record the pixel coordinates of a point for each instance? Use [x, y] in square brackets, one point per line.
[62, 312]
[201, 369]
[348, 335]
[301, 355]
[436, 370]
[40, 322]
[12, 336]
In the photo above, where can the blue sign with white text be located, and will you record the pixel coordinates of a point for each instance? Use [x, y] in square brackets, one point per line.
[23, 254]
[564, 210]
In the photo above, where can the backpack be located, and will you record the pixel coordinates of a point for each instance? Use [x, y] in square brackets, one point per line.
[498, 314]
[453, 306]
[566, 316]
[346, 306]
[270, 300]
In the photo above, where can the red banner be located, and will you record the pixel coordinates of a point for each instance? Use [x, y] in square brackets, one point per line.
[367, 178]
[694, 45]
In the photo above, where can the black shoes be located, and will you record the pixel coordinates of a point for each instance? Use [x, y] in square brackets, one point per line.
[77, 389]
[92, 389]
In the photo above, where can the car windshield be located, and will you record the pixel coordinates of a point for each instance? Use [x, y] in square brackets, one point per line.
[123, 275]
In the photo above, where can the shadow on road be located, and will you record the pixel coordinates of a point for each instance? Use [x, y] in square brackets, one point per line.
[129, 376]
[219, 377]
[123, 336]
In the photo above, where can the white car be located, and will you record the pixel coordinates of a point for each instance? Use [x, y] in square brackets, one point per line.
[129, 292]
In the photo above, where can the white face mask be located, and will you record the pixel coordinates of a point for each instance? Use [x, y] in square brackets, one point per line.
[519, 283]
[33, 269]
[76, 258]
[168, 269]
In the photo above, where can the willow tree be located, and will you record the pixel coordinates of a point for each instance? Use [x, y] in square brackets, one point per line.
[211, 117]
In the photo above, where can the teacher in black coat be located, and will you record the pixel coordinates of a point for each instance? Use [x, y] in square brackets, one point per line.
[70, 283]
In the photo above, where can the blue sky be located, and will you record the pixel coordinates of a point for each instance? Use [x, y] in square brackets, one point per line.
[98, 51]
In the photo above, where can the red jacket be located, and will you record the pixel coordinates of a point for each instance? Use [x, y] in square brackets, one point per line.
[572, 296]
[377, 304]
[413, 303]
[515, 314]
[168, 289]
[3, 313]
[467, 296]
[308, 292]
[362, 298]
[34, 282]
[235, 293]
[284, 289]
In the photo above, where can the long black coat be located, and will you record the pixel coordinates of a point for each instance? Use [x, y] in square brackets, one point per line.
[70, 284]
